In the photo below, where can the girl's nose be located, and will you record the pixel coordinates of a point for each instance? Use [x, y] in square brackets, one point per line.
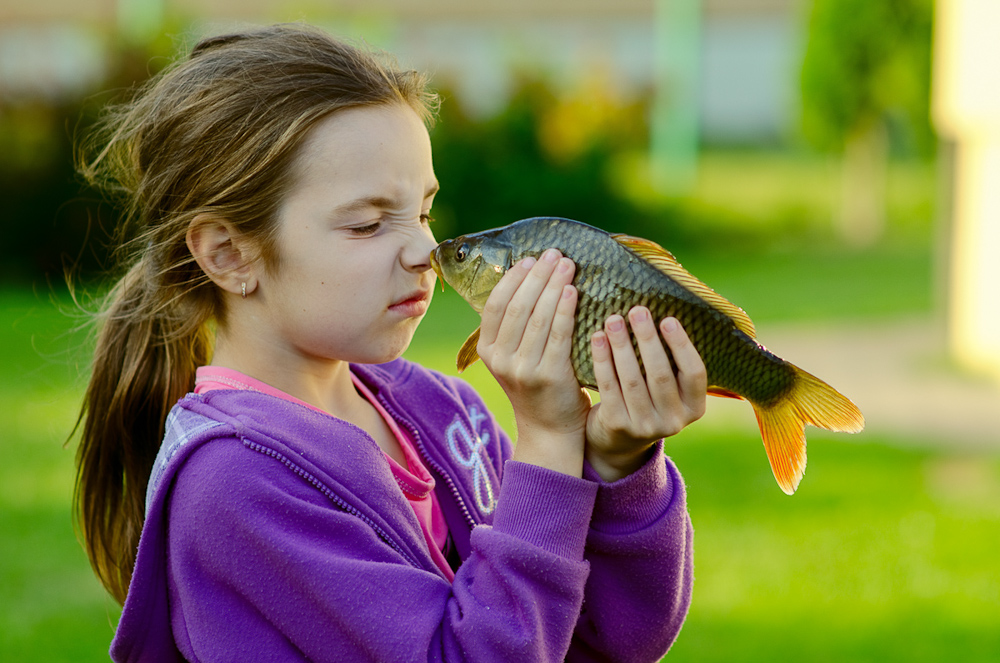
[416, 254]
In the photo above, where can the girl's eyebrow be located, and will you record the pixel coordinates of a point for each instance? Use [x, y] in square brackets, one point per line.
[380, 202]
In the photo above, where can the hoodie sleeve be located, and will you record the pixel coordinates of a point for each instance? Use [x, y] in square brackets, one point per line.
[640, 549]
[264, 565]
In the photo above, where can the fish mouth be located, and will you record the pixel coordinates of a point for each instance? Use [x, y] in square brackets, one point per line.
[436, 265]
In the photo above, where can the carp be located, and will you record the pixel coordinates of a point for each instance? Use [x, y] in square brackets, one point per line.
[615, 272]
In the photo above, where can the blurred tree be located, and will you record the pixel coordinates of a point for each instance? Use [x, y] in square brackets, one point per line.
[865, 84]
[51, 222]
[542, 155]
[550, 151]
[42, 224]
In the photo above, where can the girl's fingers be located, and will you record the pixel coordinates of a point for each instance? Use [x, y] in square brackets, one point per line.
[660, 394]
[630, 379]
[692, 379]
[560, 337]
[528, 320]
[660, 379]
[537, 334]
[604, 372]
[637, 409]
[510, 309]
[499, 299]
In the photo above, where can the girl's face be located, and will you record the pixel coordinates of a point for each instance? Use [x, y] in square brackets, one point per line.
[353, 278]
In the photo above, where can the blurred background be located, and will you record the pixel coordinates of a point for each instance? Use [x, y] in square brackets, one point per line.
[832, 166]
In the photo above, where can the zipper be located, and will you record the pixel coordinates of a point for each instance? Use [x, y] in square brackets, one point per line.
[411, 429]
[330, 495]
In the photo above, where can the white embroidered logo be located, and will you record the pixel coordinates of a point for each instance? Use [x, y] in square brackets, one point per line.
[468, 449]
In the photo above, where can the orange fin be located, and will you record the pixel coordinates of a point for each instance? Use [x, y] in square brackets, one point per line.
[467, 355]
[724, 393]
[664, 261]
[782, 425]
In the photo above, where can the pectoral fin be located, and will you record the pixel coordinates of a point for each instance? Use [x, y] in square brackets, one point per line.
[664, 261]
[468, 355]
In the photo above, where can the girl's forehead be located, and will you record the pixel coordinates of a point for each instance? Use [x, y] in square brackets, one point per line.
[362, 130]
[372, 151]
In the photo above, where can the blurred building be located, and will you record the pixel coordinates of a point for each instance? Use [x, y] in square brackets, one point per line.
[966, 106]
[745, 52]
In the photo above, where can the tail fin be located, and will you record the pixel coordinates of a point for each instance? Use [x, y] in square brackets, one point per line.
[782, 425]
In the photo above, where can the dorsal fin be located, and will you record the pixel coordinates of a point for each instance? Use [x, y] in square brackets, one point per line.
[664, 261]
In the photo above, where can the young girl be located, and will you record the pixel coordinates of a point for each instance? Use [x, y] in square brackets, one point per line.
[315, 496]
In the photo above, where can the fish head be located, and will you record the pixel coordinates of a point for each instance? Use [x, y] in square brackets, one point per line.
[472, 265]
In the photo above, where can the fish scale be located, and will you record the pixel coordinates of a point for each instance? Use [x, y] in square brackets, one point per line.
[615, 273]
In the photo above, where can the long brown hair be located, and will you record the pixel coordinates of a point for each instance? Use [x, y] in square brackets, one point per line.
[214, 133]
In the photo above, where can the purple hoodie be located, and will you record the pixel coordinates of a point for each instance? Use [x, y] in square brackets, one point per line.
[275, 532]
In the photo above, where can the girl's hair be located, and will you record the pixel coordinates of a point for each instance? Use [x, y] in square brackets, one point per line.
[214, 133]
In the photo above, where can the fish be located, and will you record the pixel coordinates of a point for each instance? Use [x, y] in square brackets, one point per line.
[615, 272]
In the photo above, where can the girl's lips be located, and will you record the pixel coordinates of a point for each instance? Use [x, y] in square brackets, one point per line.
[412, 305]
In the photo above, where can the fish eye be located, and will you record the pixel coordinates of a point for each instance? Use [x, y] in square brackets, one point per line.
[461, 252]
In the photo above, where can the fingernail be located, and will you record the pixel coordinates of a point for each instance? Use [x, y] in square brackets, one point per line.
[639, 314]
[528, 263]
[550, 255]
[599, 340]
[564, 265]
[567, 291]
[615, 323]
[670, 325]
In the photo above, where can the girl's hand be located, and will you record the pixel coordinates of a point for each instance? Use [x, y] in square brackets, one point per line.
[634, 412]
[524, 341]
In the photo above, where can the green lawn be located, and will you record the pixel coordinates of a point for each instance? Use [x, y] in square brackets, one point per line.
[51, 606]
[884, 554]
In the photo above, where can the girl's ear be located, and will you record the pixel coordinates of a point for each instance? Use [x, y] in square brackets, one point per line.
[222, 253]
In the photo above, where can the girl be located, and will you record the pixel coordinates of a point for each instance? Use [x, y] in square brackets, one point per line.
[316, 497]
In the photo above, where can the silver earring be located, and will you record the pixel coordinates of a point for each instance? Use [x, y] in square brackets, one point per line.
[244, 287]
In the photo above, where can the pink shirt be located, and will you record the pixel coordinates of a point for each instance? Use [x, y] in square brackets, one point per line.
[414, 480]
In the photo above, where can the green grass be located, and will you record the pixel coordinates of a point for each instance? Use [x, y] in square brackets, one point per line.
[783, 190]
[51, 606]
[816, 283]
[885, 553]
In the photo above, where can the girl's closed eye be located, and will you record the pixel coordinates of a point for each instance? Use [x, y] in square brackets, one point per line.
[370, 229]
[367, 230]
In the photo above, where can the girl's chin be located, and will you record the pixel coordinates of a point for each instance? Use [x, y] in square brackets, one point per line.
[395, 349]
